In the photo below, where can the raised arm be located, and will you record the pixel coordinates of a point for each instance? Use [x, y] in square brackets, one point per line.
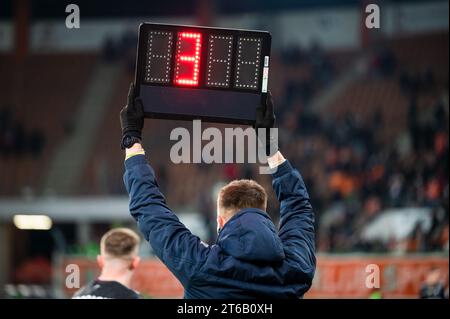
[296, 214]
[297, 218]
[172, 242]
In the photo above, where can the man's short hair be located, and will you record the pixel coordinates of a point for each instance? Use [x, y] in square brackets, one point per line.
[243, 193]
[120, 243]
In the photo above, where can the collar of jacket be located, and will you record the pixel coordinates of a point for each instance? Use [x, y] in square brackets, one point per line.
[251, 235]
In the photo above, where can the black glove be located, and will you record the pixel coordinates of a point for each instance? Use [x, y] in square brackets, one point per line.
[132, 116]
[265, 118]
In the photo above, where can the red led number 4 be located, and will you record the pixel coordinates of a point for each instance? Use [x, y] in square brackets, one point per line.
[188, 58]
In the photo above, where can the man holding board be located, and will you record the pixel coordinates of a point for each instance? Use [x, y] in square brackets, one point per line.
[250, 259]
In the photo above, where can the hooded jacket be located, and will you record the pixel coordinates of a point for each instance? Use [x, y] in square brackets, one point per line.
[250, 259]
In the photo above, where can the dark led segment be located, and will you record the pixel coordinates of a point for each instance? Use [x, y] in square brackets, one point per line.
[248, 63]
[187, 65]
[219, 61]
[159, 55]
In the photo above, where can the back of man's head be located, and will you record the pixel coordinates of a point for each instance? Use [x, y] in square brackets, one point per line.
[119, 243]
[241, 194]
[118, 259]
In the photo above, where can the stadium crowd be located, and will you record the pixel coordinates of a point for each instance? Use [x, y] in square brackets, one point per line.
[352, 177]
[16, 140]
[353, 174]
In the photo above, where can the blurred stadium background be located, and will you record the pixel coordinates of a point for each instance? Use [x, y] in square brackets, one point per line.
[363, 114]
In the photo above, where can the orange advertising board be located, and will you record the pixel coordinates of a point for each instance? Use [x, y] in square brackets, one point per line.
[336, 276]
[351, 277]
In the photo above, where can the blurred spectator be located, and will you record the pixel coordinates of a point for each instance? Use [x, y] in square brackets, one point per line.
[416, 82]
[37, 142]
[384, 62]
[109, 51]
[318, 72]
[321, 65]
[433, 287]
[416, 242]
[16, 140]
[122, 48]
[292, 55]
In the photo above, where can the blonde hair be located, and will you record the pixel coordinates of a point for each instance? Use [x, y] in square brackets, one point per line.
[120, 243]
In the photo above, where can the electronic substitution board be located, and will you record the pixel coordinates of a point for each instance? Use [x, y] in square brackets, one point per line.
[213, 74]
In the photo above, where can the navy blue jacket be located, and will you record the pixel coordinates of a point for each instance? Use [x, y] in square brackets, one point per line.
[250, 258]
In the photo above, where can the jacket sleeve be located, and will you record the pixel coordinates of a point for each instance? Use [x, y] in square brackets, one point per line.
[173, 243]
[296, 217]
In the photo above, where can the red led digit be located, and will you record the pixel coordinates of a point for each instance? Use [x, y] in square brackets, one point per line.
[187, 66]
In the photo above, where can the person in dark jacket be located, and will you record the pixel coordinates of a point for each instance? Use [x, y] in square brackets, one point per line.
[433, 287]
[250, 259]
